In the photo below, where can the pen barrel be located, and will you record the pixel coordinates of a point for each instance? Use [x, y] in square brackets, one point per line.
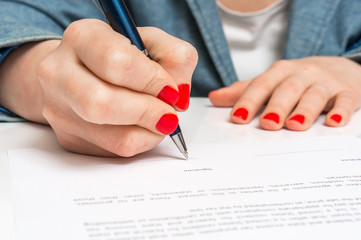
[121, 21]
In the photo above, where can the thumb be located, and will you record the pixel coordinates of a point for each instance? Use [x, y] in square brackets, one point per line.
[228, 96]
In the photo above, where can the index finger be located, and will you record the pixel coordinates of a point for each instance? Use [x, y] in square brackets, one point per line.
[176, 56]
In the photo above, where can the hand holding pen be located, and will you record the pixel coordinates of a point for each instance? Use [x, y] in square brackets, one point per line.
[120, 20]
[101, 94]
[113, 99]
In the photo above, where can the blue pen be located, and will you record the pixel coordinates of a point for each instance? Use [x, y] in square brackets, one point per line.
[119, 18]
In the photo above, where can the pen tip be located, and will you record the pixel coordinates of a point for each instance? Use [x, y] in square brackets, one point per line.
[185, 154]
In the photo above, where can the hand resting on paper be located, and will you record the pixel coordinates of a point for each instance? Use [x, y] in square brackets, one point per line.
[296, 92]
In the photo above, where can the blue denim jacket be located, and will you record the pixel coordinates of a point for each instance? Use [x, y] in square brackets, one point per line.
[322, 27]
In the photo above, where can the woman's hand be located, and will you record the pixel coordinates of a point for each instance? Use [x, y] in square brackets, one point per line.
[296, 92]
[100, 94]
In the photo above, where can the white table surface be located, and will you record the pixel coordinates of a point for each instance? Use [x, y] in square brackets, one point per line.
[194, 124]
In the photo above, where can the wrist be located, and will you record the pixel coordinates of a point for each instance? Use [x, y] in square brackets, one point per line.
[20, 90]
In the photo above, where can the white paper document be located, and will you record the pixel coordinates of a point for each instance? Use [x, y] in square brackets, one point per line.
[308, 188]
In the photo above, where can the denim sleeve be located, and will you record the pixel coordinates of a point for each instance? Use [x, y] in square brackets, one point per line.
[23, 21]
[345, 26]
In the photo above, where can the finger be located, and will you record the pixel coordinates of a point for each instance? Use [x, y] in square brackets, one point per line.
[124, 141]
[343, 108]
[176, 56]
[258, 91]
[114, 59]
[104, 103]
[227, 96]
[309, 108]
[81, 146]
[107, 140]
[282, 102]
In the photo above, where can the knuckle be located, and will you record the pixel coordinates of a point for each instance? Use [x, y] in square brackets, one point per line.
[282, 64]
[127, 146]
[320, 92]
[349, 96]
[131, 143]
[78, 31]
[117, 60]
[311, 69]
[74, 31]
[292, 85]
[251, 101]
[187, 54]
[262, 83]
[146, 116]
[310, 110]
[349, 100]
[352, 95]
[156, 76]
[96, 107]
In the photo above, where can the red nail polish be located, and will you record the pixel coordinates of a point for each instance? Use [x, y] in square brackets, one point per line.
[336, 117]
[184, 94]
[272, 116]
[298, 118]
[167, 123]
[241, 113]
[168, 95]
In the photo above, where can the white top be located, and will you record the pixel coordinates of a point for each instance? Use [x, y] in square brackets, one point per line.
[256, 39]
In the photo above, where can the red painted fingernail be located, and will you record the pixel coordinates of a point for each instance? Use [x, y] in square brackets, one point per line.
[184, 94]
[298, 118]
[168, 95]
[167, 123]
[241, 113]
[336, 117]
[272, 116]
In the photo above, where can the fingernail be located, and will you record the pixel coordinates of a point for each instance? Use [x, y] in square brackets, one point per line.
[167, 123]
[168, 95]
[241, 113]
[184, 94]
[336, 117]
[298, 118]
[272, 116]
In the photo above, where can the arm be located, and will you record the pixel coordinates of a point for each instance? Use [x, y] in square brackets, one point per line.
[99, 93]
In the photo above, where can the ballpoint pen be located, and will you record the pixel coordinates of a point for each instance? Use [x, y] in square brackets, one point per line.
[119, 18]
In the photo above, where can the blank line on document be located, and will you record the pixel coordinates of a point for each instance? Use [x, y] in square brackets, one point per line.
[296, 152]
